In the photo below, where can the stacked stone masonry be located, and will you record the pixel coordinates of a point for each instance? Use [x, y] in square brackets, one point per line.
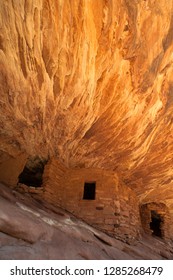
[114, 209]
[160, 209]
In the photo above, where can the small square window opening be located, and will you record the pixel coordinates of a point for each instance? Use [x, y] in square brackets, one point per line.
[89, 190]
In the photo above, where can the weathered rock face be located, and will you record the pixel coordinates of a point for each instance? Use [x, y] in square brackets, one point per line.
[91, 83]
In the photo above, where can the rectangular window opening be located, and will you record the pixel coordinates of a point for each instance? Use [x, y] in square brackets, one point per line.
[89, 191]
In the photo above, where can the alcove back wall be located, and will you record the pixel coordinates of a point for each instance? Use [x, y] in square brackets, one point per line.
[91, 83]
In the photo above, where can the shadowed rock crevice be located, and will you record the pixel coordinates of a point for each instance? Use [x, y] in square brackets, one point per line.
[32, 174]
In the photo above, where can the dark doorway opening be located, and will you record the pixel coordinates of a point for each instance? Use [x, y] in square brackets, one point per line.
[32, 173]
[155, 224]
[89, 191]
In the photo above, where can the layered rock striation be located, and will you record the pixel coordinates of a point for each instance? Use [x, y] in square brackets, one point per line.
[91, 83]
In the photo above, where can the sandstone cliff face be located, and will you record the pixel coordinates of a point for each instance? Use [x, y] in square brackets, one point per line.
[91, 83]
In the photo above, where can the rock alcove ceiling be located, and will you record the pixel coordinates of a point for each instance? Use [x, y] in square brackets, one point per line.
[91, 83]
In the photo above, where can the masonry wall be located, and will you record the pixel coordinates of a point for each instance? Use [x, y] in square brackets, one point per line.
[115, 208]
[163, 211]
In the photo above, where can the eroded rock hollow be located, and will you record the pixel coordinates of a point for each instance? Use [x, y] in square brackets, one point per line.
[86, 99]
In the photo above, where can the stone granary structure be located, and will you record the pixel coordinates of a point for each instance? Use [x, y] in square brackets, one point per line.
[84, 193]
[86, 103]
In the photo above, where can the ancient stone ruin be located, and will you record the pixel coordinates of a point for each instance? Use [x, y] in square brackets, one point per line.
[156, 219]
[97, 196]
